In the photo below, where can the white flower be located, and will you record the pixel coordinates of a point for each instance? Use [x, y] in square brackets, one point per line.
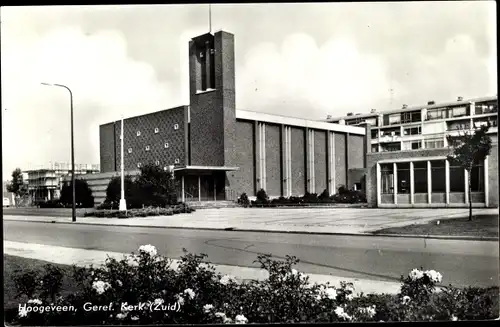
[434, 276]
[135, 318]
[119, 282]
[416, 274]
[454, 318]
[369, 311]
[159, 301]
[294, 272]
[349, 297]
[180, 299]
[132, 260]
[331, 293]
[100, 286]
[240, 319]
[226, 279]
[207, 308]
[121, 316]
[35, 301]
[227, 320]
[190, 293]
[220, 315]
[342, 314]
[22, 312]
[149, 249]
[406, 299]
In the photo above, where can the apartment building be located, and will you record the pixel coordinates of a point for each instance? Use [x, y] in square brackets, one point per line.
[406, 162]
[45, 182]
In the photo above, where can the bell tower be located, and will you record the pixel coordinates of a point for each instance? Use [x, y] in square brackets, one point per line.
[212, 99]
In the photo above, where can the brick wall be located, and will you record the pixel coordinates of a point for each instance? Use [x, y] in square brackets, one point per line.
[320, 161]
[298, 161]
[493, 176]
[273, 160]
[356, 155]
[340, 160]
[145, 124]
[165, 121]
[207, 130]
[107, 152]
[243, 180]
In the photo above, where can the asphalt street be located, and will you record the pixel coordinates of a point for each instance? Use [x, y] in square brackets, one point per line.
[462, 263]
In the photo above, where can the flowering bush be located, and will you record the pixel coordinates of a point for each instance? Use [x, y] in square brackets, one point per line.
[146, 288]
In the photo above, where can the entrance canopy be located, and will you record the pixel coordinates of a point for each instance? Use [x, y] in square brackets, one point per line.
[204, 169]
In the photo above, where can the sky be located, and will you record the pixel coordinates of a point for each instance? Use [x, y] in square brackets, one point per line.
[303, 60]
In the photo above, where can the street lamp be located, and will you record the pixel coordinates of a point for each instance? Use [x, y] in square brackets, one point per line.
[72, 148]
[123, 202]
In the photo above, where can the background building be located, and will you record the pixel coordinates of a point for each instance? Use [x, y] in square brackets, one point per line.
[45, 182]
[406, 162]
[219, 152]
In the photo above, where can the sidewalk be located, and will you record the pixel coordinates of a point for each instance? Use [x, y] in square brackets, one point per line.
[81, 257]
[350, 221]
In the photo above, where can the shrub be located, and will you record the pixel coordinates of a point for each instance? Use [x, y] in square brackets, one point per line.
[261, 199]
[324, 196]
[243, 200]
[143, 212]
[310, 197]
[345, 195]
[262, 196]
[83, 194]
[151, 187]
[206, 297]
[52, 204]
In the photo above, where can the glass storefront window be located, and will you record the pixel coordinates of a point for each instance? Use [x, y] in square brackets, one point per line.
[387, 178]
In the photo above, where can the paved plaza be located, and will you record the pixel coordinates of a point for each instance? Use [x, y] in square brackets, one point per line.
[307, 220]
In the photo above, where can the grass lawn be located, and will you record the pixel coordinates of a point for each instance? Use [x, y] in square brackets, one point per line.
[13, 263]
[481, 225]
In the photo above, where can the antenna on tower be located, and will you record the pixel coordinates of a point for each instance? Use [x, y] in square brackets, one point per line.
[209, 18]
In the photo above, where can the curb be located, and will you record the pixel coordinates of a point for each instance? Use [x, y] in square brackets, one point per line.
[233, 229]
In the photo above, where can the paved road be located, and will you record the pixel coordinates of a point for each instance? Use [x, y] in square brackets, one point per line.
[462, 263]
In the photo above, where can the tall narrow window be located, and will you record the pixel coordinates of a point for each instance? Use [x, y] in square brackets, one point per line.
[457, 178]
[203, 61]
[477, 178]
[420, 176]
[403, 177]
[387, 178]
[438, 176]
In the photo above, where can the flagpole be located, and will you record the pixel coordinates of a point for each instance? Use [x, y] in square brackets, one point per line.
[123, 202]
[210, 18]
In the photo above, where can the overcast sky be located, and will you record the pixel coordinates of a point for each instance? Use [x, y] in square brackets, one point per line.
[304, 60]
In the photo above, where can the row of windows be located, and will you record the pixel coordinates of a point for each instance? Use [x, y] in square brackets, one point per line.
[176, 161]
[437, 174]
[435, 143]
[166, 146]
[157, 130]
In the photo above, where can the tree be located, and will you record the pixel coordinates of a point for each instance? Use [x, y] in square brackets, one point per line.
[156, 186]
[113, 191]
[83, 194]
[469, 149]
[16, 185]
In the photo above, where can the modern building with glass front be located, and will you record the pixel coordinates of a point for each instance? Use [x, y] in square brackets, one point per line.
[406, 162]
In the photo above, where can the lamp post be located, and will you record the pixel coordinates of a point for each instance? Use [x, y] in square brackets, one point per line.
[123, 202]
[72, 147]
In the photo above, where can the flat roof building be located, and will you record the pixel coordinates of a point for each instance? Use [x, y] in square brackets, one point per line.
[220, 152]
